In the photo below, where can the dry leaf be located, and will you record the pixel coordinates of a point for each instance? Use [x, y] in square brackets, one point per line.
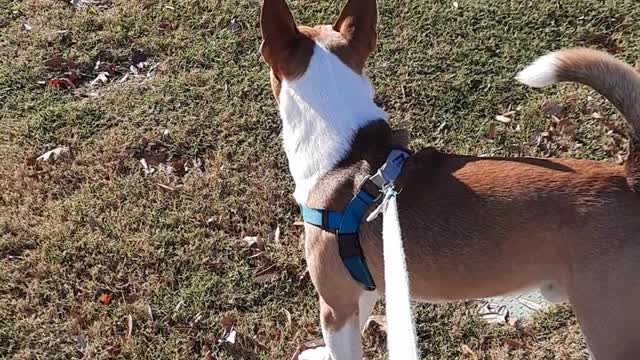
[503, 119]
[467, 352]
[493, 313]
[55, 154]
[229, 337]
[380, 320]
[166, 187]
[138, 57]
[513, 344]
[235, 26]
[129, 325]
[83, 4]
[530, 304]
[166, 25]
[553, 109]
[102, 77]
[254, 241]
[228, 321]
[276, 235]
[288, 315]
[56, 63]
[491, 133]
[104, 299]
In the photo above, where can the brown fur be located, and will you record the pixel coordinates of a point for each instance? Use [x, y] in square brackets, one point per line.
[478, 227]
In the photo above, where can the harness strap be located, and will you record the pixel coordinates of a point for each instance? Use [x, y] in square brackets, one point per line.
[345, 224]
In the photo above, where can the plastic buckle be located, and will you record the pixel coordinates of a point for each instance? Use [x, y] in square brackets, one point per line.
[377, 193]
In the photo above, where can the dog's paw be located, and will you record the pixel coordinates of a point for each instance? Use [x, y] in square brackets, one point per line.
[317, 353]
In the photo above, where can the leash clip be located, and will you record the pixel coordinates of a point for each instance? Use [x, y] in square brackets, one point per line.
[388, 192]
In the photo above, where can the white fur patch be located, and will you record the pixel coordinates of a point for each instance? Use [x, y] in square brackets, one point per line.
[344, 344]
[541, 72]
[321, 112]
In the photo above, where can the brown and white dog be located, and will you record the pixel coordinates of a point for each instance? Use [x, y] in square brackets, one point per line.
[568, 227]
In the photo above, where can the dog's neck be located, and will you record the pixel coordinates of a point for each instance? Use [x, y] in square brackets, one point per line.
[322, 111]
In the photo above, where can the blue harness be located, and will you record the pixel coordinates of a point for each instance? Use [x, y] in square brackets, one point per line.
[345, 224]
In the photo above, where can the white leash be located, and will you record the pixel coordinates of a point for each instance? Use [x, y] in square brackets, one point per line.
[401, 334]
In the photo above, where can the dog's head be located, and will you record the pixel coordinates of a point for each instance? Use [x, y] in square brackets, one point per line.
[288, 48]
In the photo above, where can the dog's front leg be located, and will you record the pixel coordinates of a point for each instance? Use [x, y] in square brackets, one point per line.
[341, 332]
[342, 329]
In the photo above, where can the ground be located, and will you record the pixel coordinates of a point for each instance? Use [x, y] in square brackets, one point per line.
[134, 239]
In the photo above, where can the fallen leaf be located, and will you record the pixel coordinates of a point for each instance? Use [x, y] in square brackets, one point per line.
[530, 304]
[104, 299]
[491, 133]
[229, 337]
[166, 25]
[88, 4]
[102, 77]
[138, 57]
[276, 235]
[235, 26]
[53, 155]
[105, 67]
[250, 240]
[61, 84]
[228, 321]
[553, 109]
[288, 315]
[503, 119]
[493, 313]
[513, 344]
[255, 241]
[129, 325]
[197, 319]
[56, 63]
[166, 187]
[380, 320]
[467, 352]
[146, 168]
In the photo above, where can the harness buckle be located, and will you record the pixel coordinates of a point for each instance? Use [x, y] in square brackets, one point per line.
[370, 186]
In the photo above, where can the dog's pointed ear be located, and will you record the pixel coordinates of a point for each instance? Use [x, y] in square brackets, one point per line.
[279, 33]
[357, 23]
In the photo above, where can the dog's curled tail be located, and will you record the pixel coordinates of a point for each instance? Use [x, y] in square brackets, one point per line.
[615, 80]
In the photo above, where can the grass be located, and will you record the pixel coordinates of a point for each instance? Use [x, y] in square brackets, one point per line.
[100, 260]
